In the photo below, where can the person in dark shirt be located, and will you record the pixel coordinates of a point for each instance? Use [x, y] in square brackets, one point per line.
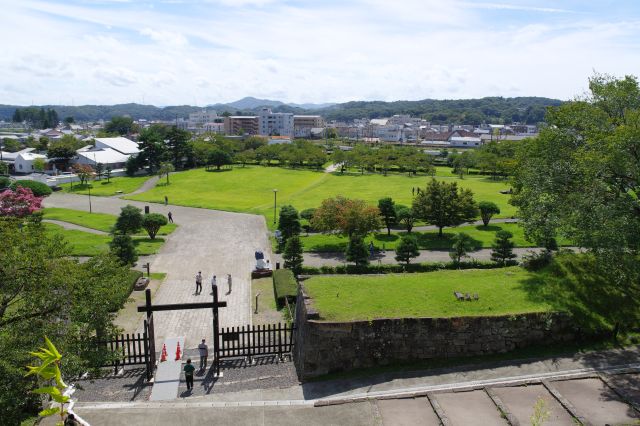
[188, 374]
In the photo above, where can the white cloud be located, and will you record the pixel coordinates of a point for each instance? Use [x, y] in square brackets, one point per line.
[167, 38]
[120, 77]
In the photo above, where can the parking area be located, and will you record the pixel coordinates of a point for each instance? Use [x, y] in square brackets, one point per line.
[596, 400]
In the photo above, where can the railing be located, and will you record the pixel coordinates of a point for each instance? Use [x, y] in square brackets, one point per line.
[249, 341]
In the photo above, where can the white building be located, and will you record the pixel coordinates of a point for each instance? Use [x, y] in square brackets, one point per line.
[105, 156]
[200, 118]
[120, 144]
[275, 123]
[24, 161]
[465, 141]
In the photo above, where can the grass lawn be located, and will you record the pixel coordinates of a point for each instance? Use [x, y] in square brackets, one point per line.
[100, 221]
[87, 244]
[250, 189]
[366, 297]
[102, 188]
[483, 238]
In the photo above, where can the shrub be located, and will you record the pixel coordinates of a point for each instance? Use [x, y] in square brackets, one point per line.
[152, 222]
[122, 247]
[284, 285]
[5, 182]
[39, 189]
[536, 261]
[130, 220]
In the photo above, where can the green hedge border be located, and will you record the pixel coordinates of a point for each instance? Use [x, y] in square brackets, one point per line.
[284, 286]
[396, 269]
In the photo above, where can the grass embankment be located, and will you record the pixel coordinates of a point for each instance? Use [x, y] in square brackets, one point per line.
[366, 297]
[102, 188]
[483, 237]
[99, 221]
[87, 244]
[250, 189]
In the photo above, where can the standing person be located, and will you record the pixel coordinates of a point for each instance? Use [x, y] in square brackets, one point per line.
[166, 200]
[170, 216]
[188, 374]
[204, 353]
[229, 282]
[199, 282]
[413, 190]
[214, 282]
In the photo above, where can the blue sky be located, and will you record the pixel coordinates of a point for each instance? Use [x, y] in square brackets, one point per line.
[200, 52]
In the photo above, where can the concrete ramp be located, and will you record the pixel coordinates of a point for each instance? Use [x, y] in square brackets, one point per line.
[167, 379]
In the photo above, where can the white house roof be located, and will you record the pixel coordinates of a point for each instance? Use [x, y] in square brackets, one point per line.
[464, 139]
[120, 144]
[29, 155]
[379, 121]
[104, 156]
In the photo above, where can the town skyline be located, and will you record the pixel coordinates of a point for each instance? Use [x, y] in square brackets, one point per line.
[206, 52]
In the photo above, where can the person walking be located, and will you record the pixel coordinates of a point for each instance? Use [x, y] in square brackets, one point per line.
[214, 282]
[204, 353]
[170, 216]
[166, 200]
[199, 282]
[188, 374]
[229, 283]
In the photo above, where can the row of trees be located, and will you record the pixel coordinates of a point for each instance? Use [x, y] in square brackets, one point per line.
[384, 159]
[35, 117]
[496, 159]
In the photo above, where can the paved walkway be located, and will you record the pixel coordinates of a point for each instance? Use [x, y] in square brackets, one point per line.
[205, 240]
[73, 226]
[147, 185]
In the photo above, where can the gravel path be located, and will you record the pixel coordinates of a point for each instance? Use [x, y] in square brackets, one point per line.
[67, 225]
[205, 240]
[147, 185]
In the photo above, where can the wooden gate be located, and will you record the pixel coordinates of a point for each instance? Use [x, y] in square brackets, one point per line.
[250, 341]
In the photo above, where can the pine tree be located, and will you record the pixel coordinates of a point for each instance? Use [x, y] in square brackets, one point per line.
[502, 251]
[357, 251]
[407, 249]
[462, 245]
[122, 247]
[293, 258]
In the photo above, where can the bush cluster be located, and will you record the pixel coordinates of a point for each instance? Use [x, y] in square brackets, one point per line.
[395, 269]
[284, 285]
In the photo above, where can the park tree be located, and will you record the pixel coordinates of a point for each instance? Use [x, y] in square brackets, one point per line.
[356, 251]
[178, 145]
[347, 217]
[39, 165]
[84, 172]
[122, 247]
[502, 248]
[444, 204]
[107, 173]
[129, 221]
[120, 125]
[288, 223]
[153, 150]
[246, 156]
[99, 171]
[165, 169]
[388, 212]
[405, 217]
[487, 210]
[68, 120]
[293, 255]
[63, 150]
[152, 222]
[254, 142]
[461, 246]
[10, 145]
[4, 168]
[407, 249]
[218, 157]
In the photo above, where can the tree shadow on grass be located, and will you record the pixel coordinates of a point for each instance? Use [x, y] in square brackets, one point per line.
[432, 241]
[489, 228]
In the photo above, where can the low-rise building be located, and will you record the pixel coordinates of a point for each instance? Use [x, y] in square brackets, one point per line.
[241, 125]
[120, 144]
[303, 125]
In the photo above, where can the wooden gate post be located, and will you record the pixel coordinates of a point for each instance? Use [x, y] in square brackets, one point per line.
[216, 333]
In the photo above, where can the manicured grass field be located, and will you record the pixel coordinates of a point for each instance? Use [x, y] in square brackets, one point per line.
[86, 244]
[429, 240]
[100, 221]
[366, 297]
[102, 188]
[250, 189]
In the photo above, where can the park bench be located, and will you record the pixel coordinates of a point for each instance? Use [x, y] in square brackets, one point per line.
[466, 296]
[458, 295]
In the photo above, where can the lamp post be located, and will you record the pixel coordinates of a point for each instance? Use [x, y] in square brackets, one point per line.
[275, 197]
[89, 187]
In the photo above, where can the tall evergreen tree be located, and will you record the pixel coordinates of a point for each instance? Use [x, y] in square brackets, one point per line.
[357, 251]
[388, 212]
[502, 248]
[293, 255]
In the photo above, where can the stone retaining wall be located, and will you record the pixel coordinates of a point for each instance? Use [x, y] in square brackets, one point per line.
[324, 347]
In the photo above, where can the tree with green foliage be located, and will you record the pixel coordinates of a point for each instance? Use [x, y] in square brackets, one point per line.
[307, 214]
[39, 165]
[246, 156]
[356, 251]
[5, 182]
[166, 169]
[99, 171]
[218, 157]
[407, 249]
[68, 120]
[293, 255]
[84, 173]
[444, 204]
[122, 247]
[152, 222]
[153, 150]
[4, 169]
[63, 150]
[288, 223]
[406, 217]
[178, 145]
[487, 210]
[107, 173]
[129, 221]
[10, 145]
[461, 246]
[388, 212]
[120, 125]
[347, 217]
[502, 248]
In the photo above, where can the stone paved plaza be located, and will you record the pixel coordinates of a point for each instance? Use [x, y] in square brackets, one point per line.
[206, 240]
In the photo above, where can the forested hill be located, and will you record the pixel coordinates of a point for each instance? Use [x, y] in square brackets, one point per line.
[463, 111]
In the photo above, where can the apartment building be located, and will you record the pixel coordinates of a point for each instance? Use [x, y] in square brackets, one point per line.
[275, 123]
[242, 124]
[303, 124]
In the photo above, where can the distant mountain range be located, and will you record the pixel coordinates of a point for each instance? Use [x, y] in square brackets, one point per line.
[529, 110]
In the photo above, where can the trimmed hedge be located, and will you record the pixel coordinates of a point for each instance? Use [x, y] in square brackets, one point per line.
[284, 285]
[5, 182]
[395, 269]
[39, 189]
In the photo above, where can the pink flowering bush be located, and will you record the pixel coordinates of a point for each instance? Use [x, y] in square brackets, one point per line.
[19, 203]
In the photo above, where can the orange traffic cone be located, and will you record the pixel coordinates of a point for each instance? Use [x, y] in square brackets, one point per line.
[163, 357]
[178, 353]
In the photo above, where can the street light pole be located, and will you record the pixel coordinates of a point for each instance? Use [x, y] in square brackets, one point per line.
[275, 197]
[89, 187]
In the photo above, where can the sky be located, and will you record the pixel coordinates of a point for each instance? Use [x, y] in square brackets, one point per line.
[200, 52]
